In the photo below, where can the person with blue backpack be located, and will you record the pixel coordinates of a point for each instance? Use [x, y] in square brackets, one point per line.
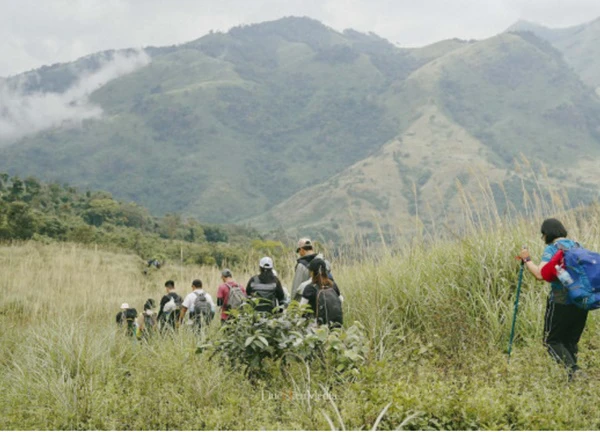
[564, 321]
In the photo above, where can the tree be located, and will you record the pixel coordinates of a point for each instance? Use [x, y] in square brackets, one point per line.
[101, 211]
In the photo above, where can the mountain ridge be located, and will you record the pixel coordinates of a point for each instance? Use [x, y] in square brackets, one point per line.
[246, 126]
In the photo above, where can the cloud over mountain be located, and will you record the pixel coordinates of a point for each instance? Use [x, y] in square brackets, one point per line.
[23, 113]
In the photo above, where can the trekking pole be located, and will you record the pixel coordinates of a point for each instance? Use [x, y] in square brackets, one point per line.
[514, 320]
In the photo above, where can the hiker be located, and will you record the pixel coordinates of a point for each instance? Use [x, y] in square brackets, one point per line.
[323, 296]
[170, 305]
[307, 282]
[563, 323]
[154, 263]
[230, 295]
[301, 274]
[148, 322]
[127, 318]
[266, 287]
[200, 304]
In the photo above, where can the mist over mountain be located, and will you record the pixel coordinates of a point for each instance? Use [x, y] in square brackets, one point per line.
[59, 96]
[290, 124]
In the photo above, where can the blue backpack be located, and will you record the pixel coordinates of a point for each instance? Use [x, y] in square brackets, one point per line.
[584, 267]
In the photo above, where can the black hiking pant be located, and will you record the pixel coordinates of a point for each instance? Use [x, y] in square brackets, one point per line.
[563, 326]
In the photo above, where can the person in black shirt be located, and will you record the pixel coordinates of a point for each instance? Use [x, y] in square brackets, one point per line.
[168, 314]
[323, 295]
[266, 286]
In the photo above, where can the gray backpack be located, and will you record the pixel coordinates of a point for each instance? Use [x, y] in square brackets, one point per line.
[202, 309]
[236, 298]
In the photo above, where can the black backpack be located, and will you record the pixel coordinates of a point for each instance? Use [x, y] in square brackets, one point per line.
[130, 316]
[266, 293]
[329, 307]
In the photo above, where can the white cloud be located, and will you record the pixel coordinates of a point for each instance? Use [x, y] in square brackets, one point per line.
[22, 114]
[36, 32]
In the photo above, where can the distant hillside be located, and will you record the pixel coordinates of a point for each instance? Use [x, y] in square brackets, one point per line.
[475, 111]
[290, 124]
[226, 126]
[580, 46]
[30, 209]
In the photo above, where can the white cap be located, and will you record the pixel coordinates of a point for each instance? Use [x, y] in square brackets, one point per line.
[266, 262]
[125, 306]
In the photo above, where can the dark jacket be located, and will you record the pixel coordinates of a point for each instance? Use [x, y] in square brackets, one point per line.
[267, 287]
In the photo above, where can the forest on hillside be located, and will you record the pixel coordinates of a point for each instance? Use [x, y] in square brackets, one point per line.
[49, 212]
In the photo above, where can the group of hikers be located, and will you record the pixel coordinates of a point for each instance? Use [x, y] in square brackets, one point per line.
[566, 313]
[313, 284]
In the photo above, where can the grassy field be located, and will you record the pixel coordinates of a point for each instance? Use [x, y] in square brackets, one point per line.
[436, 315]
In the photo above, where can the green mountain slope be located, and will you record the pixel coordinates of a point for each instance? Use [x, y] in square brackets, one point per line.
[580, 46]
[475, 111]
[226, 126]
[290, 123]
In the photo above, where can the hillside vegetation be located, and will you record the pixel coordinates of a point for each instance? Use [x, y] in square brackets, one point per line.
[290, 124]
[30, 209]
[435, 317]
[580, 46]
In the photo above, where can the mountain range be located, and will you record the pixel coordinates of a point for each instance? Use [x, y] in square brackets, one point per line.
[292, 125]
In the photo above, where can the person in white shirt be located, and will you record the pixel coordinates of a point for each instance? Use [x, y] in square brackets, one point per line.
[198, 298]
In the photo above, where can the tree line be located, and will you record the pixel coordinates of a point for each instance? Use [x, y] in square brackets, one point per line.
[48, 212]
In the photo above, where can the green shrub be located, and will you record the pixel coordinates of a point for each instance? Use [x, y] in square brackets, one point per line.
[252, 339]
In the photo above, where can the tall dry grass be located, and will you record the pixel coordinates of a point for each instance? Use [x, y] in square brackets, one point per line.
[437, 312]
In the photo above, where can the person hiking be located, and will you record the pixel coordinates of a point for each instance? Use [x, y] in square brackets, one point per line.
[266, 287]
[147, 323]
[230, 295]
[170, 305]
[301, 274]
[307, 282]
[563, 323]
[323, 296]
[126, 318]
[200, 305]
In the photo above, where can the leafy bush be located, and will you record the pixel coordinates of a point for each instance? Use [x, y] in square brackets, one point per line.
[251, 338]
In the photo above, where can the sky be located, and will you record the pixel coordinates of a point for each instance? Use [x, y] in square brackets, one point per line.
[34, 33]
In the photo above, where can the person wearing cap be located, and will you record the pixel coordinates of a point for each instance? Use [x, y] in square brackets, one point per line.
[190, 299]
[223, 293]
[121, 313]
[266, 287]
[301, 274]
[127, 317]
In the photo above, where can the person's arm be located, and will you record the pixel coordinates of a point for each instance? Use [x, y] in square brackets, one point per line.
[279, 294]
[300, 276]
[337, 290]
[220, 296]
[182, 312]
[535, 270]
[210, 301]
[249, 287]
[309, 293]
